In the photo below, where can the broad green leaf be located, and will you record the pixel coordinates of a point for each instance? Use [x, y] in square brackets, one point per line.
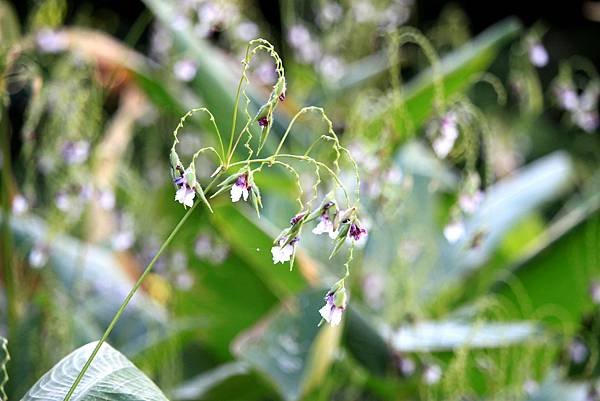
[451, 335]
[111, 377]
[552, 282]
[289, 347]
[506, 203]
[458, 71]
[365, 342]
[95, 280]
[197, 387]
[252, 239]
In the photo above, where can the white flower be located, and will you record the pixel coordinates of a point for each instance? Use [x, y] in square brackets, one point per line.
[284, 253]
[432, 374]
[240, 188]
[454, 231]
[331, 314]
[107, 199]
[50, 41]
[19, 205]
[38, 256]
[325, 226]
[335, 303]
[122, 240]
[568, 99]
[76, 152]
[185, 70]
[185, 195]
[538, 55]
[442, 145]
[469, 203]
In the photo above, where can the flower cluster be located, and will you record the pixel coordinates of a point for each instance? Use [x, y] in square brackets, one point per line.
[339, 225]
[237, 178]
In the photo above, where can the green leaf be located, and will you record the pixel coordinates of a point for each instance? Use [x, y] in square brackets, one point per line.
[506, 203]
[200, 385]
[365, 342]
[83, 266]
[252, 239]
[458, 71]
[111, 377]
[558, 272]
[451, 335]
[289, 347]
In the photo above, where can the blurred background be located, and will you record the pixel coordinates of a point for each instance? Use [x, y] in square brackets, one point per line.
[476, 131]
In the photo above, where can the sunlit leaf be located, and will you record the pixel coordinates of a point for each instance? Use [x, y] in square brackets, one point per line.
[111, 377]
[289, 347]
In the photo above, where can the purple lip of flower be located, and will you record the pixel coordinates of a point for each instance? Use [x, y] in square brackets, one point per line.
[295, 240]
[357, 232]
[242, 181]
[263, 121]
[282, 97]
[297, 218]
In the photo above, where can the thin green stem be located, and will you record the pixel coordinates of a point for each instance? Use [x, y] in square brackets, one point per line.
[235, 109]
[131, 294]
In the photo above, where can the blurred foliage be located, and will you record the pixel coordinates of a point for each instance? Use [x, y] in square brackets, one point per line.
[478, 158]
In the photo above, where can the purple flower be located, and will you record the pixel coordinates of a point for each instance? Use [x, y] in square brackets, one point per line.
[357, 232]
[335, 303]
[241, 188]
[283, 253]
[263, 121]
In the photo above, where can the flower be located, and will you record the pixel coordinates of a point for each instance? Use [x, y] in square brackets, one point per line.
[538, 54]
[76, 152]
[325, 226]
[185, 70]
[454, 231]
[335, 303]
[443, 144]
[185, 194]
[240, 188]
[357, 232]
[38, 257]
[432, 374]
[19, 205]
[567, 98]
[52, 42]
[283, 252]
[469, 203]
